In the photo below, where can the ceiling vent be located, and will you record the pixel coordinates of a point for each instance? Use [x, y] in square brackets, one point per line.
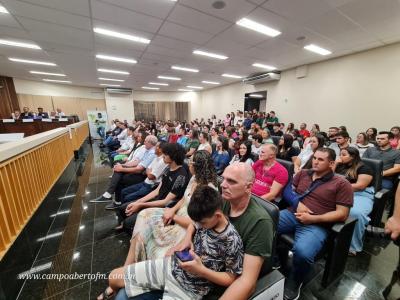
[121, 91]
[260, 78]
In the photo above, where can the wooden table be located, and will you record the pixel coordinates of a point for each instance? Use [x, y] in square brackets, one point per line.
[35, 127]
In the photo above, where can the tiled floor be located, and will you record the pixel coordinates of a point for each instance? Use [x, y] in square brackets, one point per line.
[68, 234]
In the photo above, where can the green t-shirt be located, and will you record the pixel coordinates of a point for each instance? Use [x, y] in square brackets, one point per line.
[192, 144]
[272, 120]
[255, 227]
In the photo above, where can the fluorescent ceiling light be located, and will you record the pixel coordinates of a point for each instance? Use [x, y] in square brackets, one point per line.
[185, 90]
[168, 78]
[115, 58]
[19, 44]
[114, 85]
[35, 62]
[194, 87]
[184, 69]
[209, 54]
[111, 79]
[210, 82]
[264, 66]
[231, 76]
[159, 83]
[46, 73]
[256, 96]
[317, 49]
[121, 35]
[150, 88]
[113, 71]
[3, 10]
[258, 27]
[60, 81]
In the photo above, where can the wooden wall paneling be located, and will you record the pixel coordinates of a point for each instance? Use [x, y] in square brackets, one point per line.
[8, 97]
[69, 105]
[42, 101]
[25, 100]
[9, 207]
[91, 104]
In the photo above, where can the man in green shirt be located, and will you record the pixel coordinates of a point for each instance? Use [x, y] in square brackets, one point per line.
[271, 120]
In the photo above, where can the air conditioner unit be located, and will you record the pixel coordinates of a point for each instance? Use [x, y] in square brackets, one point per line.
[260, 78]
[122, 91]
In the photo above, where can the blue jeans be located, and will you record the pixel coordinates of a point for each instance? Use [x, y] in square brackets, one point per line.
[101, 132]
[108, 140]
[134, 192]
[308, 242]
[153, 295]
[362, 206]
[387, 184]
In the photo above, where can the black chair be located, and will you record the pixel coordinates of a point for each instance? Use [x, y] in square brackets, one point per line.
[381, 195]
[288, 165]
[268, 276]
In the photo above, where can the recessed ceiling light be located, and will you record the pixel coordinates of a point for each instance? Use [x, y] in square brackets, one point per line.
[111, 79]
[114, 85]
[184, 69]
[209, 54]
[35, 62]
[121, 35]
[150, 88]
[185, 90]
[231, 75]
[247, 23]
[159, 83]
[19, 44]
[60, 81]
[256, 95]
[210, 82]
[115, 58]
[317, 49]
[113, 71]
[194, 87]
[3, 10]
[168, 78]
[46, 73]
[270, 68]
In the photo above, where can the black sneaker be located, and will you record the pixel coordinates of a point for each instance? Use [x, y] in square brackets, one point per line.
[292, 290]
[113, 205]
[100, 199]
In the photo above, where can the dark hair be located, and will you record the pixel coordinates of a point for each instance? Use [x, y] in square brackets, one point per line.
[245, 135]
[248, 154]
[287, 142]
[331, 153]
[176, 152]
[365, 138]
[355, 163]
[390, 135]
[290, 127]
[195, 134]
[224, 141]
[205, 136]
[395, 127]
[343, 134]
[375, 132]
[131, 128]
[258, 138]
[204, 202]
[342, 128]
[316, 126]
[204, 168]
[321, 141]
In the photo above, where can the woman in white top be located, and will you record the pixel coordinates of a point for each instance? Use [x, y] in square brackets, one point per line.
[362, 143]
[204, 144]
[257, 142]
[244, 154]
[305, 157]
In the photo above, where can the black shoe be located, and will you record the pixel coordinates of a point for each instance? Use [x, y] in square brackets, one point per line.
[112, 206]
[292, 290]
[100, 199]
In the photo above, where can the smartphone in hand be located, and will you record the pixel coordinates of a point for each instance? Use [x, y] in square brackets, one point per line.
[184, 255]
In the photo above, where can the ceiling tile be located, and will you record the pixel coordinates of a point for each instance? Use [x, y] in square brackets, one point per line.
[156, 8]
[79, 7]
[183, 33]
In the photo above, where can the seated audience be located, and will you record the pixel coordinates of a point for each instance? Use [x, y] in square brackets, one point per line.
[112, 135]
[266, 137]
[328, 199]
[247, 122]
[362, 143]
[204, 144]
[26, 114]
[257, 143]
[394, 142]
[304, 133]
[371, 135]
[130, 172]
[182, 139]
[289, 128]
[270, 176]
[286, 151]
[214, 135]
[221, 156]
[276, 130]
[213, 237]
[272, 120]
[342, 142]
[243, 137]
[192, 143]
[244, 154]
[304, 159]
[171, 189]
[332, 133]
[360, 177]
[390, 157]
[125, 149]
[42, 114]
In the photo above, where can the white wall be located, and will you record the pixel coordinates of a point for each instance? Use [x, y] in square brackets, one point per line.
[30, 87]
[359, 91]
[119, 107]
